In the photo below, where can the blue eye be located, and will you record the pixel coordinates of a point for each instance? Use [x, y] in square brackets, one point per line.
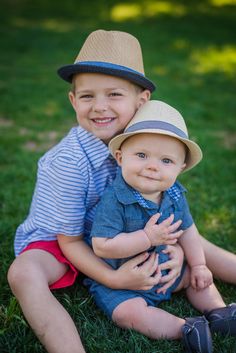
[167, 161]
[141, 155]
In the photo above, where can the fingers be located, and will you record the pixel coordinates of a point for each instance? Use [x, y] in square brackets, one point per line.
[194, 282]
[157, 277]
[164, 288]
[175, 252]
[171, 234]
[138, 260]
[169, 230]
[153, 219]
[173, 227]
[169, 249]
[201, 284]
[170, 238]
[149, 272]
[171, 275]
[150, 265]
[168, 265]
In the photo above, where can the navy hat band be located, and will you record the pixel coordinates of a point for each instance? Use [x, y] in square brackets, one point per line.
[156, 124]
[108, 66]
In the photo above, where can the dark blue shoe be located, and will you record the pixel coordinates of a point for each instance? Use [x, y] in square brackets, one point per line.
[223, 320]
[197, 335]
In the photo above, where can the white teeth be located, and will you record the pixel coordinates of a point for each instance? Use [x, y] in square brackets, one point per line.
[103, 120]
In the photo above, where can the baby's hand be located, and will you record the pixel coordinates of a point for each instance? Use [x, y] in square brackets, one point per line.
[163, 233]
[201, 277]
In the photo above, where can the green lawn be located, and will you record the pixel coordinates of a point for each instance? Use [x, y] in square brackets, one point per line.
[189, 50]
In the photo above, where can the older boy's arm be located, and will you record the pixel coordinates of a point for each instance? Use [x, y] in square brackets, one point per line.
[201, 276]
[128, 276]
[82, 257]
[122, 245]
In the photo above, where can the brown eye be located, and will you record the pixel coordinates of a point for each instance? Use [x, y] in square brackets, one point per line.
[86, 96]
[115, 94]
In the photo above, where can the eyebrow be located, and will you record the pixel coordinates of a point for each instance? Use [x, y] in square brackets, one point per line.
[106, 89]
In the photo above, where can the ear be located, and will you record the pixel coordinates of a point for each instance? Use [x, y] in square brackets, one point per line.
[183, 167]
[72, 99]
[118, 157]
[144, 97]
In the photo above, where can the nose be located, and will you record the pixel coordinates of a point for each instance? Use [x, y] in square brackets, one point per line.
[153, 166]
[100, 105]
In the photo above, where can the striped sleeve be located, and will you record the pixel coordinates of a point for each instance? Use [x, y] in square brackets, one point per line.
[59, 203]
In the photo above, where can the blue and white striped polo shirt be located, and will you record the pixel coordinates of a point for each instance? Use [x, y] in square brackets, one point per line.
[70, 181]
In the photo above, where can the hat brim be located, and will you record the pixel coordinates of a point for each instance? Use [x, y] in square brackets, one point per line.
[193, 157]
[66, 73]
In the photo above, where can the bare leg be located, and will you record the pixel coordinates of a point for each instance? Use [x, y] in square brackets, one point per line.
[29, 276]
[222, 263]
[150, 321]
[206, 299]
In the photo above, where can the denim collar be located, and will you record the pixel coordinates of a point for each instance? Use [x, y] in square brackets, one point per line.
[127, 195]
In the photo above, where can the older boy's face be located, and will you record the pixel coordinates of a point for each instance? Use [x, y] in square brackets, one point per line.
[105, 104]
[151, 163]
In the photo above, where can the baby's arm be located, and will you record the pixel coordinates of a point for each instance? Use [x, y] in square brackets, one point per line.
[201, 276]
[122, 245]
[129, 244]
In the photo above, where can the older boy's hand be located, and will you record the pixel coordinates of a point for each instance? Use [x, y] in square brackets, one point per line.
[164, 232]
[174, 265]
[140, 273]
[201, 277]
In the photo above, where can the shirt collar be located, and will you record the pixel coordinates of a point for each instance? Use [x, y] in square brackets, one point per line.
[95, 149]
[124, 192]
[127, 195]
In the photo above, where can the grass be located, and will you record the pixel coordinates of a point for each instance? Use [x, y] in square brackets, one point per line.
[189, 51]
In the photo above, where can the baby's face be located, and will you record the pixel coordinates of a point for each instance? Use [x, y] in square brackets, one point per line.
[151, 163]
[105, 104]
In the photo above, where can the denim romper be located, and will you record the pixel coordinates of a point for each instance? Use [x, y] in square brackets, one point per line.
[122, 209]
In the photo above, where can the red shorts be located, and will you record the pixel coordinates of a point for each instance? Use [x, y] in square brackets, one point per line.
[53, 248]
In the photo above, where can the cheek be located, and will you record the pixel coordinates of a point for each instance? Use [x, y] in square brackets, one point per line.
[82, 112]
[168, 173]
[172, 175]
[126, 114]
[128, 168]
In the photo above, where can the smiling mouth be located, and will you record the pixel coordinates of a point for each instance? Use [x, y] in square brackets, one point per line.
[151, 177]
[103, 120]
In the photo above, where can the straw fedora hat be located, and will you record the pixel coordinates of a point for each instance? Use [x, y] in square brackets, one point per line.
[113, 53]
[157, 117]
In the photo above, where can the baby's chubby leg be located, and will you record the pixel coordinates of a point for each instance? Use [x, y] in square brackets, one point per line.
[203, 300]
[29, 277]
[221, 263]
[151, 321]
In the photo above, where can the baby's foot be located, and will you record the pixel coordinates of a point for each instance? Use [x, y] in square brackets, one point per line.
[223, 320]
[197, 335]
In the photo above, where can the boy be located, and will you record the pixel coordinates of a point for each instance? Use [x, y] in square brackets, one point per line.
[109, 85]
[71, 179]
[144, 209]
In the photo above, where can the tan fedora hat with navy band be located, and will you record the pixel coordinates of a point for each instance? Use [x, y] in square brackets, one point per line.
[157, 117]
[113, 53]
